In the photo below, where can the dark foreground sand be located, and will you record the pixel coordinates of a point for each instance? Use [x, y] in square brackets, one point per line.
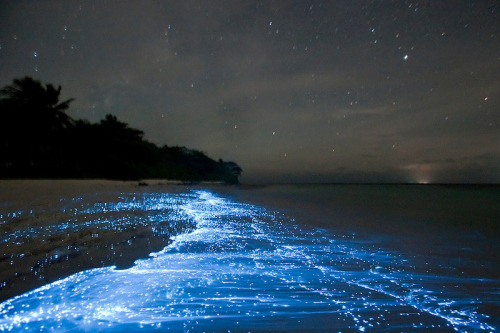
[42, 254]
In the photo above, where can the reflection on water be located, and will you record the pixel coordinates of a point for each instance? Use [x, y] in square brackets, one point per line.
[247, 269]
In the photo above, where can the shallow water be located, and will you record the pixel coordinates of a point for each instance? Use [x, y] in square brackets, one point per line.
[247, 268]
[49, 230]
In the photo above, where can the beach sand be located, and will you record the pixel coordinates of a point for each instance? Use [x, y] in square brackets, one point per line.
[283, 254]
[49, 249]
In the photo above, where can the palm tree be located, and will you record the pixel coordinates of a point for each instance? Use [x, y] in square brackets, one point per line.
[28, 100]
[33, 126]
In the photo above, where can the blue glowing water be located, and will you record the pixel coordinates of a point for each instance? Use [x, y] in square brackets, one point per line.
[245, 268]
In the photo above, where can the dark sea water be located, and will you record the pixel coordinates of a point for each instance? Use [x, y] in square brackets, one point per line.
[322, 258]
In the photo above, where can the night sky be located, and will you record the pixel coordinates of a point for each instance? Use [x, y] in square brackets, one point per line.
[293, 91]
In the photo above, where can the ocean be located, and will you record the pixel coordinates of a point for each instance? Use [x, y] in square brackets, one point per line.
[284, 258]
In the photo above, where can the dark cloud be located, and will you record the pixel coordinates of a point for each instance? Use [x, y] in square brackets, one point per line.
[291, 90]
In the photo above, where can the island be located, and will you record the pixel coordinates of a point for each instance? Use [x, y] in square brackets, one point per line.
[39, 140]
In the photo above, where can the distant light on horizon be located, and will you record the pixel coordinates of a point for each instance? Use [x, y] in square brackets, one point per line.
[420, 173]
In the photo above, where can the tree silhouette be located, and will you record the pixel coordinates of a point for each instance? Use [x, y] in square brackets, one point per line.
[120, 131]
[38, 139]
[233, 171]
[35, 103]
[33, 122]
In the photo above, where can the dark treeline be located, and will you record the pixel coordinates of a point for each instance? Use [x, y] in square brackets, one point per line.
[39, 140]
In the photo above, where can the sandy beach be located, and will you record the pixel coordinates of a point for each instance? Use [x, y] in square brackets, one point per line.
[45, 253]
[123, 256]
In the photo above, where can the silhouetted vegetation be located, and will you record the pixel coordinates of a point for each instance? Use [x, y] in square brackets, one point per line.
[39, 140]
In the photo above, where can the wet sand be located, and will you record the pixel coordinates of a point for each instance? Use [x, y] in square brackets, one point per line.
[49, 251]
[329, 251]
[42, 255]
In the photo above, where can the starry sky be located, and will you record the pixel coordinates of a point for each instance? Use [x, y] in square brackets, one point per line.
[293, 91]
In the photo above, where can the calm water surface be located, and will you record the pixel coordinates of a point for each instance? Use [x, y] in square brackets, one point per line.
[316, 267]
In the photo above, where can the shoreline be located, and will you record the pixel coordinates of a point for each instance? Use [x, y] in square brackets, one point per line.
[246, 244]
[35, 249]
[29, 263]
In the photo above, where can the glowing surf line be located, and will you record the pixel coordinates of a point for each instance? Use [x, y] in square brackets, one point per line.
[204, 209]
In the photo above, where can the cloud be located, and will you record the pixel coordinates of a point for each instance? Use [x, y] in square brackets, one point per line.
[254, 81]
